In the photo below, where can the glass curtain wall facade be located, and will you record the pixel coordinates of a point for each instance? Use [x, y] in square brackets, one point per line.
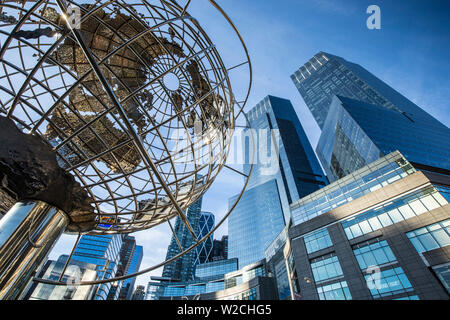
[279, 132]
[285, 170]
[374, 176]
[213, 277]
[132, 266]
[362, 118]
[103, 251]
[356, 133]
[254, 222]
[326, 75]
[220, 249]
[205, 249]
[276, 264]
[216, 269]
[183, 268]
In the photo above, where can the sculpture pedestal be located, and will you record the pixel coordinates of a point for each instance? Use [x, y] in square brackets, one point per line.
[27, 234]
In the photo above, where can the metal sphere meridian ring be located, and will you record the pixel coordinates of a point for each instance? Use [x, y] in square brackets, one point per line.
[132, 96]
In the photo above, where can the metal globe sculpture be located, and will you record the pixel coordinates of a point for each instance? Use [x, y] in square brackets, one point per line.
[132, 97]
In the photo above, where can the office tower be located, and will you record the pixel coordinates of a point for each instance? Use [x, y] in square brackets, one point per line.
[205, 249]
[326, 75]
[286, 170]
[139, 293]
[362, 119]
[103, 251]
[381, 232]
[75, 272]
[220, 249]
[183, 268]
[130, 260]
[255, 222]
[356, 133]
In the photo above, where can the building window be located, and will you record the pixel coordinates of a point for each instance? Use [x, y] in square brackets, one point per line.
[293, 275]
[373, 253]
[253, 273]
[335, 291]
[395, 211]
[413, 297]
[317, 241]
[326, 267]
[431, 237]
[249, 295]
[388, 282]
[215, 286]
[443, 273]
[194, 289]
[174, 291]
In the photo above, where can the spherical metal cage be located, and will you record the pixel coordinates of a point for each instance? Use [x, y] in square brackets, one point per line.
[133, 97]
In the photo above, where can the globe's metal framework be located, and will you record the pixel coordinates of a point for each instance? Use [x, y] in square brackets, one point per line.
[94, 86]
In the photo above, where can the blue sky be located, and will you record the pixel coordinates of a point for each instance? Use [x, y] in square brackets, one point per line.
[410, 53]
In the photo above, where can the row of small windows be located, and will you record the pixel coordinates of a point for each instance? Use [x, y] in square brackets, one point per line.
[213, 270]
[398, 210]
[194, 289]
[326, 267]
[377, 252]
[431, 237]
[361, 185]
[382, 283]
[335, 291]
[373, 253]
[317, 241]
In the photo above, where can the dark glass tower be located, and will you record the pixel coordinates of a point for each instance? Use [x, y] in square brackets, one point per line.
[286, 170]
[130, 261]
[183, 268]
[220, 249]
[204, 250]
[362, 119]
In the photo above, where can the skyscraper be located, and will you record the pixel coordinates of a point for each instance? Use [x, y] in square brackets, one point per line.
[286, 170]
[103, 251]
[204, 250]
[220, 249]
[183, 268]
[130, 261]
[362, 119]
[326, 75]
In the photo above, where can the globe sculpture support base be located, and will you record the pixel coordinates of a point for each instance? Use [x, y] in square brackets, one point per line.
[27, 234]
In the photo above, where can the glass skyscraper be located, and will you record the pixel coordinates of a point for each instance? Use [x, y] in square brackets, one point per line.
[183, 268]
[103, 251]
[205, 249]
[275, 182]
[220, 249]
[362, 119]
[130, 260]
